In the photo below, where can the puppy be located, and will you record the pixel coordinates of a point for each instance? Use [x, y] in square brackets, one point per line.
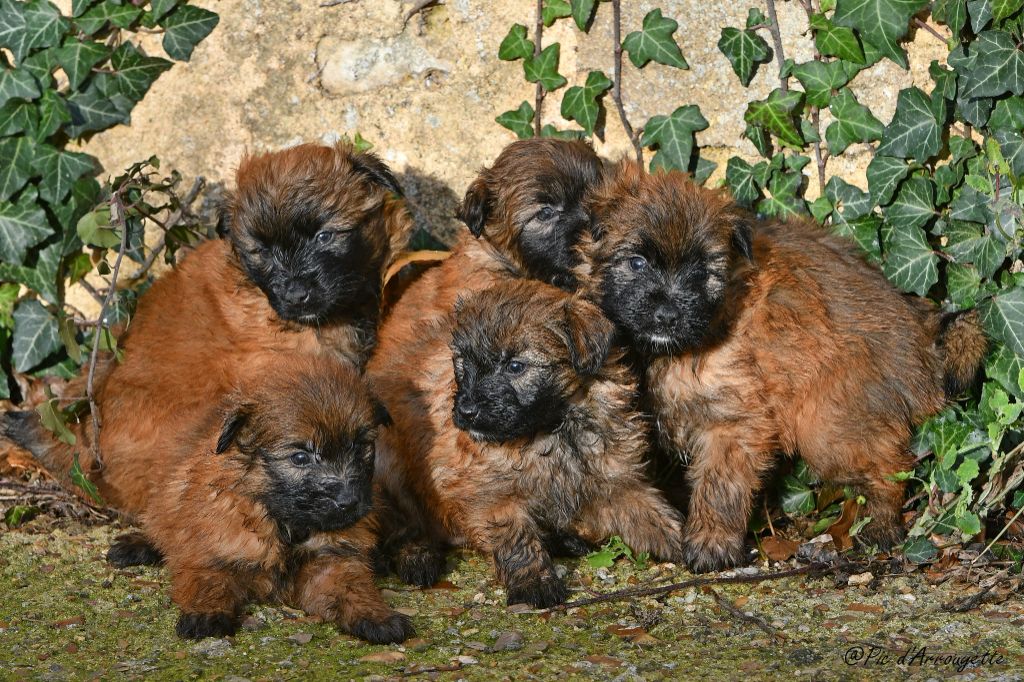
[268, 501]
[511, 425]
[764, 338]
[311, 230]
[525, 215]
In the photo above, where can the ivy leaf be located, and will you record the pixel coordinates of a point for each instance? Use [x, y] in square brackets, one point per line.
[60, 170]
[1011, 144]
[913, 131]
[1004, 8]
[759, 138]
[17, 116]
[582, 10]
[998, 66]
[913, 206]
[776, 115]
[90, 111]
[25, 26]
[35, 335]
[16, 157]
[17, 83]
[77, 58]
[158, 8]
[22, 226]
[963, 284]
[655, 41]
[820, 79]
[551, 131]
[853, 122]
[881, 22]
[745, 50]
[515, 45]
[835, 41]
[184, 28]
[519, 121]
[1008, 113]
[739, 176]
[910, 263]
[580, 102]
[543, 68]
[53, 113]
[555, 9]
[952, 13]
[79, 478]
[673, 135]
[120, 15]
[1005, 366]
[864, 231]
[783, 202]
[797, 496]
[134, 72]
[968, 244]
[94, 228]
[52, 420]
[821, 208]
[920, 550]
[854, 201]
[1003, 317]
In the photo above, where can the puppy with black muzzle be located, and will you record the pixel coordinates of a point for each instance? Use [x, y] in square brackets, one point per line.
[269, 501]
[762, 338]
[512, 425]
[311, 230]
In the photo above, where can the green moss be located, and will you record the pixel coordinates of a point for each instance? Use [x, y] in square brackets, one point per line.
[66, 614]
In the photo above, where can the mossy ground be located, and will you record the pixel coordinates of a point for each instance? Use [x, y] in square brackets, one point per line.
[66, 614]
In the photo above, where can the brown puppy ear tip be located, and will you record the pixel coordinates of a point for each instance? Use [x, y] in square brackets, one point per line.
[589, 335]
[370, 166]
[475, 207]
[743, 238]
[233, 423]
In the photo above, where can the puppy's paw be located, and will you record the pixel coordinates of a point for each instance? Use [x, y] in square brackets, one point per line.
[540, 592]
[133, 549]
[420, 565]
[709, 552]
[883, 536]
[393, 628]
[199, 625]
[567, 543]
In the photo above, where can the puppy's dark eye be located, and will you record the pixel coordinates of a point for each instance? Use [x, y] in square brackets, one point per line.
[545, 214]
[324, 237]
[638, 263]
[301, 459]
[515, 367]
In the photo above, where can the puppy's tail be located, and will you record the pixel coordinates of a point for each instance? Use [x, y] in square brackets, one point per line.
[963, 345]
[24, 429]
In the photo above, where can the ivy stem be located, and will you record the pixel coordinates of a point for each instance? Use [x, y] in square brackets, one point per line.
[634, 136]
[538, 33]
[780, 56]
[928, 27]
[117, 215]
[172, 221]
[820, 156]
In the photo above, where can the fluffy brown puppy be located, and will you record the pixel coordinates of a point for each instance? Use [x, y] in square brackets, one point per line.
[268, 501]
[311, 230]
[512, 424]
[765, 338]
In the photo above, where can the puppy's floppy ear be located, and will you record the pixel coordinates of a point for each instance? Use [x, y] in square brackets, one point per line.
[743, 237]
[620, 180]
[224, 214]
[588, 335]
[476, 207]
[381, 416]
[376, 171]
[233, 423]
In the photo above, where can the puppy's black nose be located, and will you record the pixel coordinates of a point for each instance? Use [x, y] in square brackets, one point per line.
[666, 316]
[296, 293]
[466, 407]
[346, 501]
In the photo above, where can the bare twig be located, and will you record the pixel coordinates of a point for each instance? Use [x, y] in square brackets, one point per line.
[418, 7]
[780, 56]
[335, 3]
[928, 27]
[172, 221]
[634, 136]
[974, 600]
[736, 613]
[97, 296]
[117, 214]
[629, 593]
[538, 34]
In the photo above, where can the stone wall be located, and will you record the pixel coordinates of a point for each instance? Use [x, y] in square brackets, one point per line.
[277, 72]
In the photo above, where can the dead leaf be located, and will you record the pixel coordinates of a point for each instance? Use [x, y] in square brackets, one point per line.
[69, 622]
[840, 530]
[778, 548]
[864, 608]
[604, 660]
[442, 585]
[741, 601]
[300, 638]
[383, 657]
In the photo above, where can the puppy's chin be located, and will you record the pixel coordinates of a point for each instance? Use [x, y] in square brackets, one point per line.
[484, 433]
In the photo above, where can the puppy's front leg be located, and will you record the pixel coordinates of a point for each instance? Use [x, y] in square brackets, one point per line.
[639, 515]
[523, 564]
[337, 585]
[210, 600]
